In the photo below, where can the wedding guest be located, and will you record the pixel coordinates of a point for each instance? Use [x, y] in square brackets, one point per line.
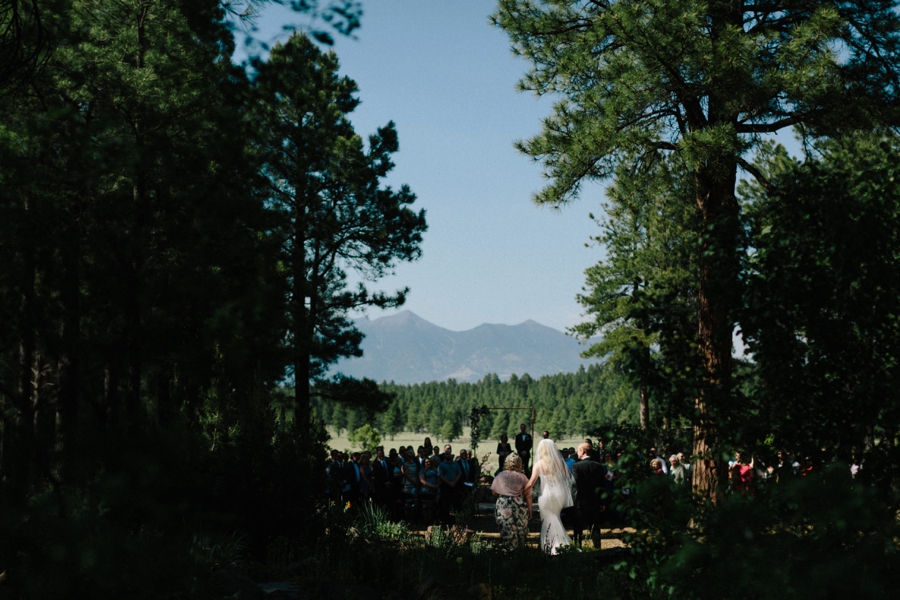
[429, 447]
[352, 479]
[410, 475]
[653, 455]
[469, 467]
[366, 485]
[334, 472]
[677, 471]
[395, 493]
[451, 482]
[743, 474]
[592, 452]
[513, 508]
[503, 450]
[381, 477]
[430, 484]
[856, 465]
[685, 463]
[568, 458]
[422, 455]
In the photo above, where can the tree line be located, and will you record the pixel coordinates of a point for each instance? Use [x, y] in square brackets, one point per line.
[176, 236]
[565, 404]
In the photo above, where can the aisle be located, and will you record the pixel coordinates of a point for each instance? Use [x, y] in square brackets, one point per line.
[485, 527]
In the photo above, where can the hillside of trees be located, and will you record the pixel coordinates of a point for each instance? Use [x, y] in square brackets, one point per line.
[565, 404]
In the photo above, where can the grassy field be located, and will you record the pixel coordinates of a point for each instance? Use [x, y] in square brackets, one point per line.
[406, 438]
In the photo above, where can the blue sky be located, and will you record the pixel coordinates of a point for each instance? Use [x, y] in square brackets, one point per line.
[447, 78]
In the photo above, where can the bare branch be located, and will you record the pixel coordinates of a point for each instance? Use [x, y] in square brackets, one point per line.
[757, 174]
[769, 127]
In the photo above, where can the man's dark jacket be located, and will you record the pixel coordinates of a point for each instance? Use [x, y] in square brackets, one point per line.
[590, 477]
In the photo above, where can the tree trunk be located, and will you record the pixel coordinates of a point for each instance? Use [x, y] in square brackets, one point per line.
[133, 322]
[644, 407]
[302, 321]
[18, 431]
[135, 268]
[719, 291]
[68, 361]
[718, 280]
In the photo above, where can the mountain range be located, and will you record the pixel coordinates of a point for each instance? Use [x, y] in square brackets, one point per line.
[405, 348]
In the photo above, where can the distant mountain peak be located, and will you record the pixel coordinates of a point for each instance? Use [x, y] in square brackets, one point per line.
[405, 348]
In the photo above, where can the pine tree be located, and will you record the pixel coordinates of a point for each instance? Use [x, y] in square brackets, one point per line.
[335, 215]
[704, 80]
[642, 297]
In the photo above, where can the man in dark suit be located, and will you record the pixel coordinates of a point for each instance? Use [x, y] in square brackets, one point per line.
[590, 477]
[421, 455]
[352, 477]
[381, 476]
[335, 474]
[523, 445]
[469, 467]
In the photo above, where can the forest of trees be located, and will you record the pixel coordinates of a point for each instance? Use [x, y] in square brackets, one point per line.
[565, 404]
[668, 101]
[179, 234]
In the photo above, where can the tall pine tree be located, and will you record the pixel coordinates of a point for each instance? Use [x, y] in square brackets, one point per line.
[704, 79]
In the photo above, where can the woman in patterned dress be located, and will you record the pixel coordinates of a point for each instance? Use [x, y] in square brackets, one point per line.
[513, 503]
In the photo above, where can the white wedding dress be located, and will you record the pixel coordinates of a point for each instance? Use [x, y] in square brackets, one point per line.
[551, 503]
[555, 495]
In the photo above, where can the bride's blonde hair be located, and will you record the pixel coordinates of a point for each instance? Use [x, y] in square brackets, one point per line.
[551, 461]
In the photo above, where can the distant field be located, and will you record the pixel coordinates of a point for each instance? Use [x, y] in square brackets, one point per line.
[407, 438]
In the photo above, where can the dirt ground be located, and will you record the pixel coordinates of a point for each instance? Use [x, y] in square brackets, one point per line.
[485, 527]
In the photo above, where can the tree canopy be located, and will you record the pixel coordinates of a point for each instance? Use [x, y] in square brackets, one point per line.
[334, 215]
[705, 80]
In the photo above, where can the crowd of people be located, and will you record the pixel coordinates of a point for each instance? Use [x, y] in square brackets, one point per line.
[579, 488]
[421, 485]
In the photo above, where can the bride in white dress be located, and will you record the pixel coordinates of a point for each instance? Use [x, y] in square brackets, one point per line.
[556, 494]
